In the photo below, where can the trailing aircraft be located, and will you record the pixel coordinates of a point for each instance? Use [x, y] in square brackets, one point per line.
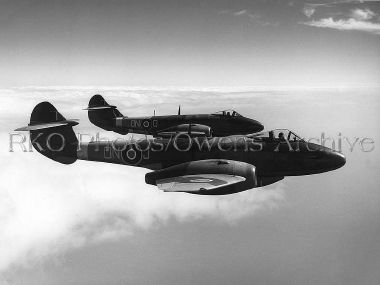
[222, 123]
[197, 165]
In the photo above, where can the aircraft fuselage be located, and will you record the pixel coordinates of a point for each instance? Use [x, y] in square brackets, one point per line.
[220, 125]
[271, 159]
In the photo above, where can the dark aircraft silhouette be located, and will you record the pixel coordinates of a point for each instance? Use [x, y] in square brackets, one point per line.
[221, 123]
[208, 166]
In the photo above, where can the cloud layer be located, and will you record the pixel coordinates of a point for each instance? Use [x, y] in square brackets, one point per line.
[353, 19]
[47, 208]
[346, 25]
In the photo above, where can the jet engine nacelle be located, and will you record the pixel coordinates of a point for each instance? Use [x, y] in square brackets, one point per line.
[193, 130]
[212, 170]
[268, 180]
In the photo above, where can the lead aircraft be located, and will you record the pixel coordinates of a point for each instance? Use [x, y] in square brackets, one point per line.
[206, 166]
[222, 123]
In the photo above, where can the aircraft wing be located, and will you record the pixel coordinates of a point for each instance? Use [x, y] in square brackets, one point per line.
[196, 183]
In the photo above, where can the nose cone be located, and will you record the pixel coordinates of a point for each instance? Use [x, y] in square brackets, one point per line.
[333, 160]
[253, 126]
[321, 159]
[338, 159]
[259, 126]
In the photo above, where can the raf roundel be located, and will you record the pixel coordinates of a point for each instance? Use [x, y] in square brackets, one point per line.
[146, 124]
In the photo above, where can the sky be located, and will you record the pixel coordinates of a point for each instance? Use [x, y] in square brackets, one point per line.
[312, 67]
[189, 43]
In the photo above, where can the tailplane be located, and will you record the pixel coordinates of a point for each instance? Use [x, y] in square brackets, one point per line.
[51, 134]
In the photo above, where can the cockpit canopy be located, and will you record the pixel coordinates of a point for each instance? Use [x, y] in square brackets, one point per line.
[277, 134]
[228, 113]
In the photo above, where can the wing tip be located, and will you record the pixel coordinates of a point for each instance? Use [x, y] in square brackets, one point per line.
[22, 129]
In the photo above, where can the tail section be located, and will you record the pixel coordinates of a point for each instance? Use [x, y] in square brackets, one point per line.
[103, 115]
[51, 134]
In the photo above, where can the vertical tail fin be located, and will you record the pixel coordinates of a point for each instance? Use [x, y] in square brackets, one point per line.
[51, 134]
[103, 115]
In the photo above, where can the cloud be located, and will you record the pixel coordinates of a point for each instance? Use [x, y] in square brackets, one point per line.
[47, 208]
[355, 19]
[239, 13]
[246, 13]
[308, 11]
[51, 208]
[249, 17]
[362, 14]
[346, 25]
[335, 3]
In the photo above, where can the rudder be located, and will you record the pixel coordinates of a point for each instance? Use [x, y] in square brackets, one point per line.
[103, 115]
[51, 134]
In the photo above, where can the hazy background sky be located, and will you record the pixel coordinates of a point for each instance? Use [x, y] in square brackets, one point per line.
[189, 43]
[312, 66]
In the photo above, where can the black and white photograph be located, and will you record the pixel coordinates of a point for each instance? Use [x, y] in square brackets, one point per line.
[182, 142]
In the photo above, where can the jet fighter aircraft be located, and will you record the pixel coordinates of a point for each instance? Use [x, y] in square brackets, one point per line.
[222, 123]
[206, 166]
